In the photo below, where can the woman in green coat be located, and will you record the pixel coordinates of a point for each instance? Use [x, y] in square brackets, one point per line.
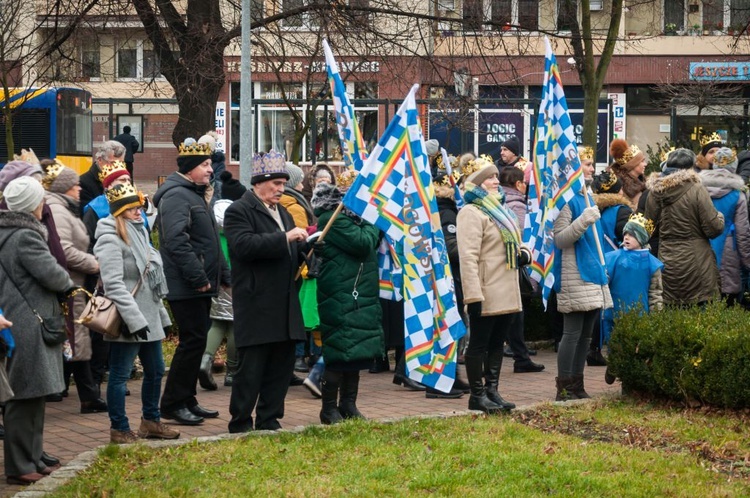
[347, 303]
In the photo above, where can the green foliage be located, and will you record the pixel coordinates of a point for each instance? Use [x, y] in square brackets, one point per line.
[687, 354]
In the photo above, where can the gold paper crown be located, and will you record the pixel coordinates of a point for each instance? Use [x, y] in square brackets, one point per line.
[53, 171]
[522, 163]
[629, 154]
[442, 171]
[724, 160]
[121, 192]
[194, 149]
[641, 220]
[607, 180]
[346, 178]
[110, 168]
[707, 139]
[666, 153]
[586, 153]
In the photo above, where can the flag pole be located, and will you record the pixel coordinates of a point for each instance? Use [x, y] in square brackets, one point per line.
[322, 236]
[585, 193]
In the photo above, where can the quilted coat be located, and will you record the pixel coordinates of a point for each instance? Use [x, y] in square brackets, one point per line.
[348, 290]
[575, 294]
[681, 208]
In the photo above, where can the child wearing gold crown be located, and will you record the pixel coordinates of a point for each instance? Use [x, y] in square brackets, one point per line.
[634, 274]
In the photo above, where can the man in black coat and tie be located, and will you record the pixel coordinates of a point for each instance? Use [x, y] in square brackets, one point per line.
[265, 251]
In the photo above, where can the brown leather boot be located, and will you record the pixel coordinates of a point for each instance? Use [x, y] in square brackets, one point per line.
[122, 437]
[156, 430]
[577, 387]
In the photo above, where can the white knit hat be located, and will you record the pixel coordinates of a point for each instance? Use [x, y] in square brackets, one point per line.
[23, 194]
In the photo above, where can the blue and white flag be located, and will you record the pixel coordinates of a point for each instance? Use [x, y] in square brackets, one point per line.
[352, 146]
[394, 192]
[556, 178]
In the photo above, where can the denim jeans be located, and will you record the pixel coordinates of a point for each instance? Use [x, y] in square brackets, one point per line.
[121, 358]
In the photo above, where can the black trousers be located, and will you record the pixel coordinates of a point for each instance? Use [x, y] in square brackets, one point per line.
[488, 333]
[129, 167]
[262, 378]
[88, 390]
[516, 338]
[24, 431]
[99, 357]
[192, 317]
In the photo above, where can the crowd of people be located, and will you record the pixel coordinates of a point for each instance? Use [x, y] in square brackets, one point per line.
[288, 276]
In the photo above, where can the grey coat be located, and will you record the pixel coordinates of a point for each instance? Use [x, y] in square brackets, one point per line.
[35, 370]
[120, 273]
[736, 254]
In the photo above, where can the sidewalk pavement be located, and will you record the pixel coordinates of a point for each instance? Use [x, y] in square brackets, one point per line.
[69, 433]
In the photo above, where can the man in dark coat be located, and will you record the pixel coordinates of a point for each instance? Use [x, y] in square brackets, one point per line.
[195, 267]
[265, 250]
[91, 187]
[131, 147]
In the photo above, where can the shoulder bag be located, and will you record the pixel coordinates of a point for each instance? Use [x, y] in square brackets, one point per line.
[53, 328]
[100, 313]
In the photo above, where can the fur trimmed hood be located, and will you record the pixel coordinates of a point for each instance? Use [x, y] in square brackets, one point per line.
[669, 188]
[603, 201]
[15, 219]
[720, 182]
[444, 192]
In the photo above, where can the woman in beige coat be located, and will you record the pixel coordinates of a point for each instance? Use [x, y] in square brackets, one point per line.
[63, 197]
[490, 253]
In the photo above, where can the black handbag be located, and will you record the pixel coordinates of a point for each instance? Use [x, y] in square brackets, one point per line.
[53, 328]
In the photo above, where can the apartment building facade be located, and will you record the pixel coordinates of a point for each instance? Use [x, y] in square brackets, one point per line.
[479, 63]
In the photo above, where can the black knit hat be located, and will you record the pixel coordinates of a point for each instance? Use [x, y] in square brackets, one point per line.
[191, 154]
[231, 188]
[512, 144]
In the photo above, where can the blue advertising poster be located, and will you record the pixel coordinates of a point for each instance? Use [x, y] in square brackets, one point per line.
[453, 129]
[495, 128]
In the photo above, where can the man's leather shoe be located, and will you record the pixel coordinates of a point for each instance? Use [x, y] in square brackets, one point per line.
[433, 393]
[199, 411]
[527, 367]
[48, 470]
[96, 406]
[49, 460]
[25, 479]
[182, 416]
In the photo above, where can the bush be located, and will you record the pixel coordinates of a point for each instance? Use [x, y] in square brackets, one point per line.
[688, 354]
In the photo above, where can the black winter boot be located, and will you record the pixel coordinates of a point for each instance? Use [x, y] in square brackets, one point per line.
[478, 399]
[460, 384]
[595, 358]
[492, 366]
[577, 387]
[348, 395]
[399, 377]
[205, 377]
[564, 388]
[330, 387]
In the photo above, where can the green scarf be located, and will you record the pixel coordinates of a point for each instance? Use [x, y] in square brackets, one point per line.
[504, 219]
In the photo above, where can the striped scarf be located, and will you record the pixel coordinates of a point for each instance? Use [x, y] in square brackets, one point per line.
[504, 219]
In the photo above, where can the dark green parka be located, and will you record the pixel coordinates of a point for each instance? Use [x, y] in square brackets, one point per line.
[348, 289]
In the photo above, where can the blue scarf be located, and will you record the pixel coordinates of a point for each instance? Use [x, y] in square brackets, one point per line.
[590, 267]
[504, 219]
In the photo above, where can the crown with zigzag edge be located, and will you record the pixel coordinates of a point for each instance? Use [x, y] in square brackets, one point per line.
[641, 220]
[629, 154]
[194, 149]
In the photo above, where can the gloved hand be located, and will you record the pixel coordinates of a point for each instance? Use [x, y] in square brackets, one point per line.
[524, 257]
[141, 334]
[590, 215]
[474, 309]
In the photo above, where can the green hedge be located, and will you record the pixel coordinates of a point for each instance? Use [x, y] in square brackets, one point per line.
[697, 353]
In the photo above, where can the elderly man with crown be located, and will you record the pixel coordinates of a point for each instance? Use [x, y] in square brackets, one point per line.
[265, 249]
[194, 266]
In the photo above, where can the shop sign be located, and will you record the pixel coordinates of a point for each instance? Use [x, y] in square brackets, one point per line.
[221, 125]
[720, 71]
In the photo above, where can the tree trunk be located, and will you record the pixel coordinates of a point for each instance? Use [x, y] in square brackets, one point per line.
[197, 114]
[9, 142]
[590, 118]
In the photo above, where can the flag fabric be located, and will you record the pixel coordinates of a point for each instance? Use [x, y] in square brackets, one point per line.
[352, 146]
[449, 173]
[556, 177]
[394, 192]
